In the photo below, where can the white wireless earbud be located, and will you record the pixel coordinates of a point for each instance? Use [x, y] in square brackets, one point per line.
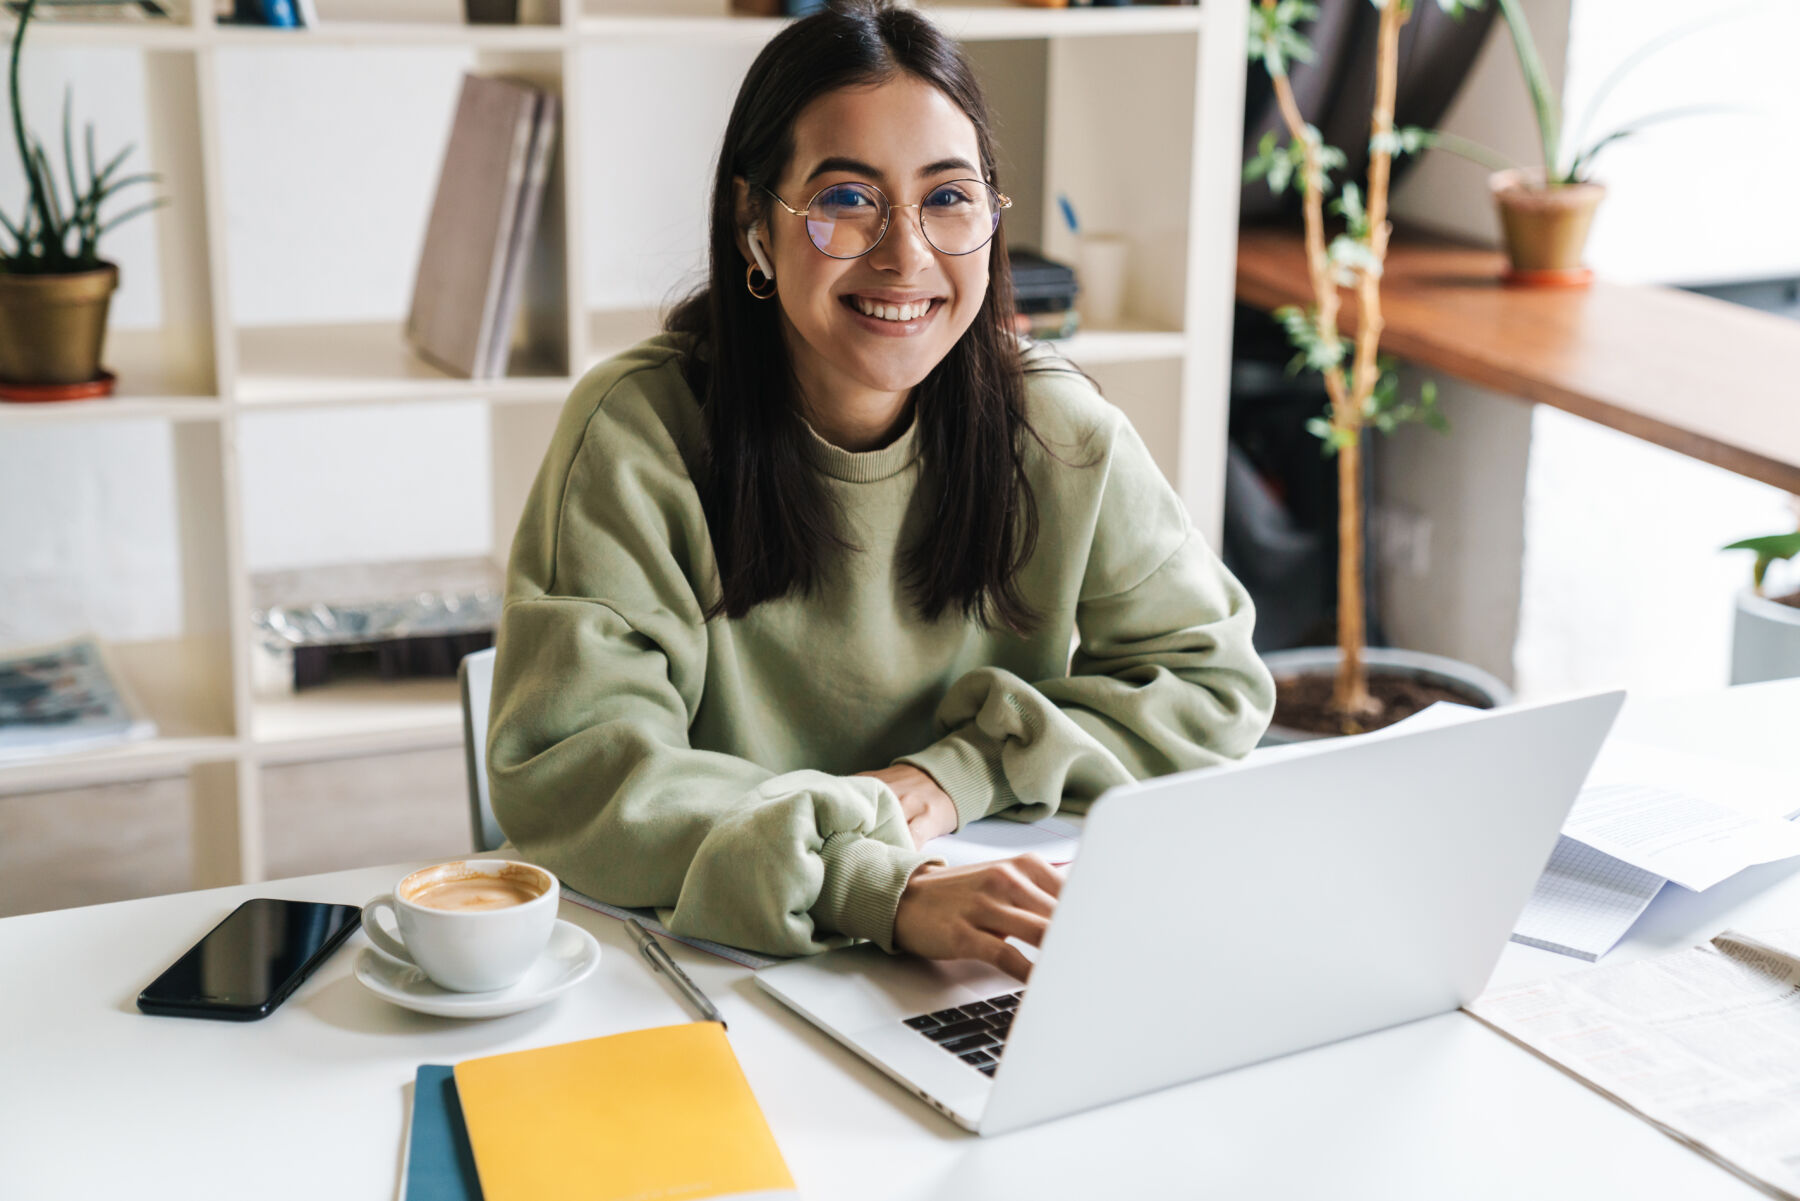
[757, 252]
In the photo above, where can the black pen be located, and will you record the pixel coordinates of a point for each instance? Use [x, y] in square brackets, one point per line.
[661, 961]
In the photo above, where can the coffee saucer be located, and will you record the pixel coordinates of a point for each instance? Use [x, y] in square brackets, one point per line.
[569, 959]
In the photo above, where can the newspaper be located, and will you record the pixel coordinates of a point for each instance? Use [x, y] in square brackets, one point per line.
[62, 697]
[1703, 1043]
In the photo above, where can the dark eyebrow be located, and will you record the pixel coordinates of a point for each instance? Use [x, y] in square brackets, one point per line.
[950, 164]
[856, 166]
[853, 166]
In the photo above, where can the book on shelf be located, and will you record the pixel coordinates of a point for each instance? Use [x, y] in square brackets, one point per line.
[64, 697]
[524, 233]
[276, 14]
[478, 238]
[1044, 293]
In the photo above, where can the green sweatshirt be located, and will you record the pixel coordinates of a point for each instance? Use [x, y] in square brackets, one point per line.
[650, 757]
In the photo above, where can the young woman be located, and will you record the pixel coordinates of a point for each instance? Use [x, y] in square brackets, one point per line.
[795, 589]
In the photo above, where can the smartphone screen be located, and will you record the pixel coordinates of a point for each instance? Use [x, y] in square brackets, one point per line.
[251, 961]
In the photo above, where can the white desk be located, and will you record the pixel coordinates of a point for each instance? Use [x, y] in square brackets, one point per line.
[97, 1100]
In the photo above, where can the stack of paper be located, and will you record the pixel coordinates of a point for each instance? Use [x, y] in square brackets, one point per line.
[1701, 822]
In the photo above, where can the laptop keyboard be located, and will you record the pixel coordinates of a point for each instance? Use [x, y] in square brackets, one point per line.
[975, 1033]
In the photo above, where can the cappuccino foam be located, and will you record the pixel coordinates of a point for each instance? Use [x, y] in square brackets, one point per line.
[476, 892]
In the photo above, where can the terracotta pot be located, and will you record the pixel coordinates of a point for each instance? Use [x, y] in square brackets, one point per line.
[1545, 228]
[53, 326]
[1481, 688]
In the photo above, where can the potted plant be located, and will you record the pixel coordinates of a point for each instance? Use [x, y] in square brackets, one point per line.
[54, 286]
[1546, 210]
[1765, 639]
[1332, 690]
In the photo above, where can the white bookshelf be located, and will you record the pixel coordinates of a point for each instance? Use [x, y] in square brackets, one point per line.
[1135, 111]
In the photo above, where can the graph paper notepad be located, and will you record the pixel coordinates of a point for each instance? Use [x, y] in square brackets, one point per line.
[1584, 902]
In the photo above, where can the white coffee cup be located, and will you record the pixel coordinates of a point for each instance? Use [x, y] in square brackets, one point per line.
[472, 925]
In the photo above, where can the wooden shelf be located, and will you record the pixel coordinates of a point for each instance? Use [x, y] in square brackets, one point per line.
[109, 408]
[1122, 345]
[363, 363]
[1004, 22]
[394, 33]
[357, 718]
[141, 35]
[151, 759]
[150, 385]
[968, 22]
[644, 82]
[752, 31]
[1703, 377]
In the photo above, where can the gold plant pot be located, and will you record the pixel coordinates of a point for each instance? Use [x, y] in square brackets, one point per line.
[1545, 229]
[52, 327]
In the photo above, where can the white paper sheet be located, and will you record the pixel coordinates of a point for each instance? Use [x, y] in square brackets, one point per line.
[1688, 818]
[1055, 838]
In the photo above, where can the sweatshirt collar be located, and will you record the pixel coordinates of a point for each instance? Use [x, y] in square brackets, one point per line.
[863, 467]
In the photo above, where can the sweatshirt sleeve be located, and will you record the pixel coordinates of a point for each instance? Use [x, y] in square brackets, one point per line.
[1163, 678]
[599, 672]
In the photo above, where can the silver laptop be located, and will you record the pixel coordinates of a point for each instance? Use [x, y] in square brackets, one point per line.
[1280, 904]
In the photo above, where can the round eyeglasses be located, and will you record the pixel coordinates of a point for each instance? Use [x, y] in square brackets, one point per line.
[847, 220]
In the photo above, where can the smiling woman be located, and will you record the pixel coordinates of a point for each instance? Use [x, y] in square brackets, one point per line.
[794, 590]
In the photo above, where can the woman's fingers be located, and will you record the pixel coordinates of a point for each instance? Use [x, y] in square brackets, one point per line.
[1012, 961]
[1040, 873]
[1012, 885]
[1018, 923]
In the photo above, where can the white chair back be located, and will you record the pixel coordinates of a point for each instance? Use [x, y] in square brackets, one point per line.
[476, 675]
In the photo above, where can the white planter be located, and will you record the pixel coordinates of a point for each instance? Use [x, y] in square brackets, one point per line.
[1765, 640]
[1384, 660]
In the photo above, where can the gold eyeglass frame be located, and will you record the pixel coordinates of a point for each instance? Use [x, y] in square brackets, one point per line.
[887, 220]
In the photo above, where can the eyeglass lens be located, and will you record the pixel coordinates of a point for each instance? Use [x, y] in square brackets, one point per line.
[847, 220]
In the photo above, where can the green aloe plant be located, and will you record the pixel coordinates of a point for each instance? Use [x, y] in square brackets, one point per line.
[50, 238]
[1567, 160]
[1769, 549]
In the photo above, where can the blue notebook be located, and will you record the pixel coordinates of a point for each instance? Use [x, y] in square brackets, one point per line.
[439, 1164]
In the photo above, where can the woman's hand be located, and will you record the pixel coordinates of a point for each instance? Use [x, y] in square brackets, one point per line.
[970, 912]
[929, 810]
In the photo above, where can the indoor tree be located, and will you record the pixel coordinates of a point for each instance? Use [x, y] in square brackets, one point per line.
[1363, 386]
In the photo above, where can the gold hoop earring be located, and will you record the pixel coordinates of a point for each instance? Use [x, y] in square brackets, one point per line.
[750, 275]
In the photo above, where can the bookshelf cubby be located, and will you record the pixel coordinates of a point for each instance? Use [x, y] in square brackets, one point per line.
[1134, 113]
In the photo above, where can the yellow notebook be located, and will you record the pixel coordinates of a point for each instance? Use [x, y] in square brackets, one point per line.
[663, 1113]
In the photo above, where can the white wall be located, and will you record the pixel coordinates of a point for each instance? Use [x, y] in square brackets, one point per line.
[1450, 194]
[87, 519]
[1710, 198]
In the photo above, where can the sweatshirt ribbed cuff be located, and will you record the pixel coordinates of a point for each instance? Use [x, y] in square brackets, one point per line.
[966, 765]
[864, 878]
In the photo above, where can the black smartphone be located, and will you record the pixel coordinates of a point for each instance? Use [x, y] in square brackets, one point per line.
[249, 963]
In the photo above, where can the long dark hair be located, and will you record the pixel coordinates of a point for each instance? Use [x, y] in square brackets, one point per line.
[772, 519]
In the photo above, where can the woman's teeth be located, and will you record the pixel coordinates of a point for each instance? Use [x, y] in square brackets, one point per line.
[891, 312]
